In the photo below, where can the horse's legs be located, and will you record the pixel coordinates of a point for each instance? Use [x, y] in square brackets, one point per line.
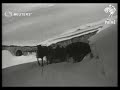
[47, 61]
[42, 62]
[38, 62]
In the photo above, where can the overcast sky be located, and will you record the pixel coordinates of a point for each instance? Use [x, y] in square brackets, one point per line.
[46, 20]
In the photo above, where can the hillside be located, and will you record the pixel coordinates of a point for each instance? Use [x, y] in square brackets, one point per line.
[98, 71]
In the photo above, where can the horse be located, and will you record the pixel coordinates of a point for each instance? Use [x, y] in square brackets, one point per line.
[41, 52]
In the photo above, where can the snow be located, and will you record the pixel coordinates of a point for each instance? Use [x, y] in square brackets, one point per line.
[100, 71]
[60, 74]
[45, 23]
[9, 60]
[90, 27]
[105, 46]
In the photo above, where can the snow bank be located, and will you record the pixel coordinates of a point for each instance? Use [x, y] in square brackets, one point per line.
[100, 71]
[104, 47]
[71, 33]
[59, 74]
[9, 60]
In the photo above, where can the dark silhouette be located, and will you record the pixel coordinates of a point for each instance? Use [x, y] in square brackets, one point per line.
[56, 54]
[19, 53]
[78, 50]
[41, 52]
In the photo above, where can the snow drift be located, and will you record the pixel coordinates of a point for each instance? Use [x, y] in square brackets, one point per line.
[9, 60]
[98, 71]
[104, 47]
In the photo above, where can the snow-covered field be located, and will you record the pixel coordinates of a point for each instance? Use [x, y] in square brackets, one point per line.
[105, 45]
[53, 21]
[101, 71]
[91, 27]
[9, 60]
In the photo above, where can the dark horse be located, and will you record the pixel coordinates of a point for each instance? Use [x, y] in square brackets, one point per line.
[41, 52]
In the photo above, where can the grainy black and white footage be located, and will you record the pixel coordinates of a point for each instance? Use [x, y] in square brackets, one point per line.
[59, 44]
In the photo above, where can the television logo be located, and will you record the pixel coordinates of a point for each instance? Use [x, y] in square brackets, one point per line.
[10, 14]
[111, 10]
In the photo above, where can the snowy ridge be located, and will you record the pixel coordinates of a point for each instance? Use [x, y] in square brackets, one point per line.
[75, 32]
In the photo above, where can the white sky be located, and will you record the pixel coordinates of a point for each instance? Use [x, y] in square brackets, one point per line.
[46, 21]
